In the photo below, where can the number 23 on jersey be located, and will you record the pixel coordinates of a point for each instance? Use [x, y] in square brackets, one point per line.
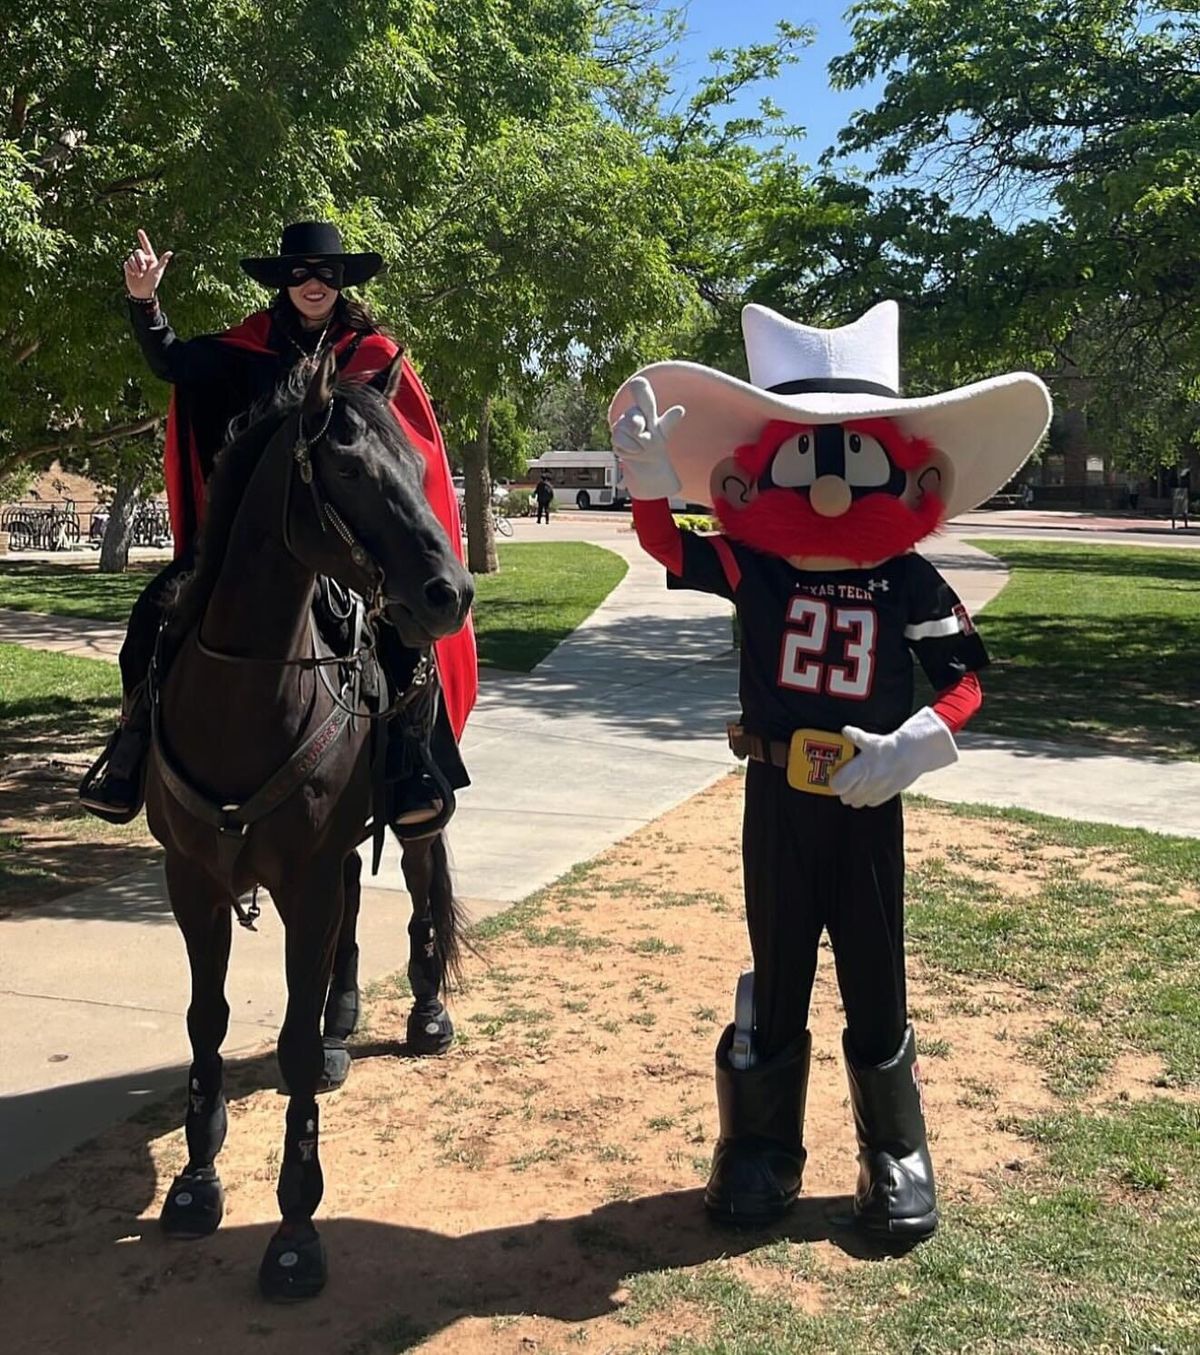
[803, 666]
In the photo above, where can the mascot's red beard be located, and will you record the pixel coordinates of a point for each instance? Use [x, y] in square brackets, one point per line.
[874, 528]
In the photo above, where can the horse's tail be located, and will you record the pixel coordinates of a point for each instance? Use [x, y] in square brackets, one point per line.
[446, 914]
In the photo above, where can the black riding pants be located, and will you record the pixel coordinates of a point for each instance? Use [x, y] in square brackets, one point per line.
[138, 649]
[812, 864]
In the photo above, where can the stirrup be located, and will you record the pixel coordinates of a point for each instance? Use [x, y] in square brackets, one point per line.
[95, 775]
[431, 827]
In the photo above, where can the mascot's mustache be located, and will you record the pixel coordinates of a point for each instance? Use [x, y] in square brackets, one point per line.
[874, 528]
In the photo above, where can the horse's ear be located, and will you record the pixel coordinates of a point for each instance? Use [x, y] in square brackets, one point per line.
[387, 380]
[321, 384]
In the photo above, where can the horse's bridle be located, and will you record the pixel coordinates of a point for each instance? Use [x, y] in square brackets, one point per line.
[301, 462]
[327, 515]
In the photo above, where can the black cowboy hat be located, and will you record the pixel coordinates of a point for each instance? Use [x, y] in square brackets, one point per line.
[312, 240]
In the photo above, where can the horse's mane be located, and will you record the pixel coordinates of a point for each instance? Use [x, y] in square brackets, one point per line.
[236, 463]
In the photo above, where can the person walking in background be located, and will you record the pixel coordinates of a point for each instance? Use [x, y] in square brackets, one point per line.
[544, 494]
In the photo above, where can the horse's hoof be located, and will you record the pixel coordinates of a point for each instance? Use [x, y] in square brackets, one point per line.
[293, 1268]
[341, 1014]
[337, 1065]
[194, 1206]
[429, 1032]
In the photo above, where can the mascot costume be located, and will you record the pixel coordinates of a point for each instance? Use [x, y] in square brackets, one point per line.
[823, 479]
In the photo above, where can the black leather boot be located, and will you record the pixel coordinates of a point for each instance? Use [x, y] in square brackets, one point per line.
[114, 788]
[895, 1196]
[759, 1159]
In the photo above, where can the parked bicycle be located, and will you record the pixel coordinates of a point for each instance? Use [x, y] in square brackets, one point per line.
[501, 525]
[41, 526]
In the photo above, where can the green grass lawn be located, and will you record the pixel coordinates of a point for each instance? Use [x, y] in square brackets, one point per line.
[540, 595]
[72, 590]
[52, 707]
[542, 592]
[1095, 644]
[54, 703]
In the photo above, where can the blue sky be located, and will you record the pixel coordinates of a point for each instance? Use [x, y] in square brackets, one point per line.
[803, 89]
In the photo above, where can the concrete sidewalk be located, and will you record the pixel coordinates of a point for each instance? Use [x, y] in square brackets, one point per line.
[624, 720]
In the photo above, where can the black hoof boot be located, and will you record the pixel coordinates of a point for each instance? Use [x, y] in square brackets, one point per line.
[337, 1065]
[430, 1030]
[341, 1014]
[895, 1198]
[194, 1206]
[758, 1165]
[293, 1267]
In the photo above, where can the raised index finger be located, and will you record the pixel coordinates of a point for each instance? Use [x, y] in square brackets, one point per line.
[144, 241]
[643, 398]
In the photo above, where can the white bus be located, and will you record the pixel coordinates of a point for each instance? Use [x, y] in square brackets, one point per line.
[589, 479]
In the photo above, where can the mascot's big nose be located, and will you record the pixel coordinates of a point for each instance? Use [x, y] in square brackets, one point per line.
[830, 496]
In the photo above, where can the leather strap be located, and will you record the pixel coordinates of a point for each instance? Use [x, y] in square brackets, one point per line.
[233, 821]
[756, 748]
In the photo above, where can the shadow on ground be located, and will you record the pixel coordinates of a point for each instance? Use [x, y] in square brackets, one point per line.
[392, 1284]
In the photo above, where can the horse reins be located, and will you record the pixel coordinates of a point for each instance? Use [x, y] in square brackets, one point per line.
[328, 516]
[234, 821]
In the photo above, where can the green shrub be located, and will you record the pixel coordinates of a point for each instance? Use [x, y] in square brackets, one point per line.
[696, 522]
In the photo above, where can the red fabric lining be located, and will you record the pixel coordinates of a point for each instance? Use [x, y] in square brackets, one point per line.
[957, 704]
[456, 656]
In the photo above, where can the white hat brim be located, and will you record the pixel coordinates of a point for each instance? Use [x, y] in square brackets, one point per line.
[986, 430]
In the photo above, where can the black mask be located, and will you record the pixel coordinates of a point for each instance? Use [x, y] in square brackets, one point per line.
[328, 271]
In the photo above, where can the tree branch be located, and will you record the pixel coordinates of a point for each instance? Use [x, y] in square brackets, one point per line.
[126, 431]
[18, 114]
[129, 183]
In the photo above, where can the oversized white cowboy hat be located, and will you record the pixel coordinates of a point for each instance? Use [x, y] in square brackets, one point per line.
[986, 431]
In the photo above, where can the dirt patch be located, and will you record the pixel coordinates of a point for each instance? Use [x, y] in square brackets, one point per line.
[1139, 1077]
[48, 845]
[507, 1197]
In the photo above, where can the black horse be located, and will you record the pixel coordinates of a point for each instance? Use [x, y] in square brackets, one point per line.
[262, 771]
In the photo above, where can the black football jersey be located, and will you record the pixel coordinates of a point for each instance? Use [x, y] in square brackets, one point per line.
[825, 648]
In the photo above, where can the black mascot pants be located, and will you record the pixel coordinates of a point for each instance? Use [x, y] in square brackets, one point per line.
[811, 864]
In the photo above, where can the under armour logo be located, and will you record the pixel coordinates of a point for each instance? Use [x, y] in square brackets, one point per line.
[878, 585]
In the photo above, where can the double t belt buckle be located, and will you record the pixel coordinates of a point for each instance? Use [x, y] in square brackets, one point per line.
[813, 757]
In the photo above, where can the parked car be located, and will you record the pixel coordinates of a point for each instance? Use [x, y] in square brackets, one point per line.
[500, 489]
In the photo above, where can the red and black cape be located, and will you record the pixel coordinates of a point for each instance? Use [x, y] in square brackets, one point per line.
[456, 658]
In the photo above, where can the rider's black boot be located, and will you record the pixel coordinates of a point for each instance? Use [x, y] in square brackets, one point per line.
[414, 795]
[115, 786]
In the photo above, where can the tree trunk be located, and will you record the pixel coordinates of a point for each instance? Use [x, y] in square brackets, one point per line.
[118, 535]
[481, 535]
[1075, 446]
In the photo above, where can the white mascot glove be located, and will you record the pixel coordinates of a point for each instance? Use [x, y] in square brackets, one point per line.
[889, 763]
[639, 438]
